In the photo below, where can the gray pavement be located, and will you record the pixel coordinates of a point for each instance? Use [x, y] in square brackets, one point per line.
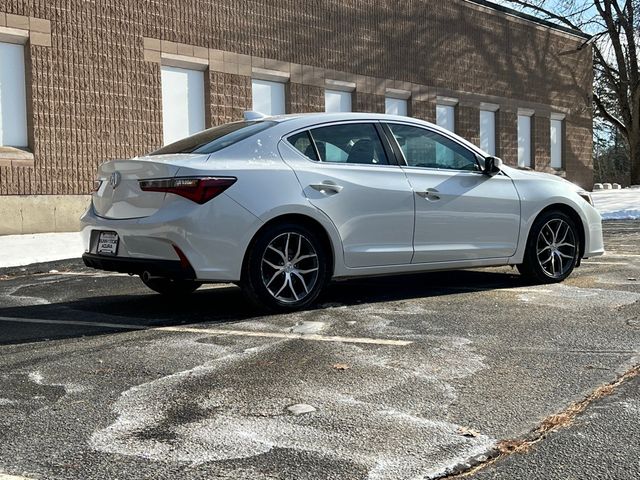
[101, 379]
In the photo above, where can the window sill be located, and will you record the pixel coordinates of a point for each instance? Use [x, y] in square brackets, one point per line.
[15, 157]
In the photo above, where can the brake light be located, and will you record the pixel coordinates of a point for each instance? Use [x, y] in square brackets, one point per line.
[196, 189]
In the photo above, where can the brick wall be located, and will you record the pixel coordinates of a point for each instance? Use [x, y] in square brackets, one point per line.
[94, 96]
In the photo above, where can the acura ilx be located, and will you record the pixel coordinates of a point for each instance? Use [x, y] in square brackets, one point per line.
[283, 205]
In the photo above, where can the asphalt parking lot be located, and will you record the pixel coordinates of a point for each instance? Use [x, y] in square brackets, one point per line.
[423, 376]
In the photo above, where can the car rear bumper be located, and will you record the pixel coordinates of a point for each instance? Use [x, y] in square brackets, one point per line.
[137, 266]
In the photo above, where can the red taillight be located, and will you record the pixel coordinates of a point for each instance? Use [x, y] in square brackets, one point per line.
[196, 189]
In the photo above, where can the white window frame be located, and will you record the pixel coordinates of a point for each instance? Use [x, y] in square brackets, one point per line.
[17, 132]
[175, 116]
[525, 140]
[556, 140]
[275, 103]
[488, 131]
[396, 102]
[446, 113]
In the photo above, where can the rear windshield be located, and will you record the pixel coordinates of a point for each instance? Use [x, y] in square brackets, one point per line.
[216, 138]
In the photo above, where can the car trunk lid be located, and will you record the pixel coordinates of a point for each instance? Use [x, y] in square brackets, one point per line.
[119, 195]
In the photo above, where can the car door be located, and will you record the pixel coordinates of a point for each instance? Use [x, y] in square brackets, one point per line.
[461, 213]
[348, 172]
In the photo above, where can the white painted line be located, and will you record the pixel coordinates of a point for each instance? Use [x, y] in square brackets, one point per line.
[289, 336]
[215, 331]
[598, 262]
[4, 476]
[613, 254]
[122, 326]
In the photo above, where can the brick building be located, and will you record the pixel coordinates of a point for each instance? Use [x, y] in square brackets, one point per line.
[85, 81]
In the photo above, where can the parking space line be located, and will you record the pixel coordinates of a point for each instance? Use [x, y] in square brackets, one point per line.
[289, 336]
[216, 331]
[122, 326]
[4, 476]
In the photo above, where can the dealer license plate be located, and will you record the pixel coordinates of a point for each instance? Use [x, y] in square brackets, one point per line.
[108, 243]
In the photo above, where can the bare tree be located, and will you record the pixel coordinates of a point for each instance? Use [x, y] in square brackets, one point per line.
[615, 29]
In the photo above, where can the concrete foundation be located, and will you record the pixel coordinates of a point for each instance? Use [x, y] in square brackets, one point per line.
[21, 214]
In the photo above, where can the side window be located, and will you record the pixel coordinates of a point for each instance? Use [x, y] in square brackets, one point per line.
[350, 143]
[302, 142]
[424, 148]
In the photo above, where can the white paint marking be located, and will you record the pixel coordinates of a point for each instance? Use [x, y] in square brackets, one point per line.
[597, 262]
[216, 331]
[4, 476]
[122, 326]
[288, 336]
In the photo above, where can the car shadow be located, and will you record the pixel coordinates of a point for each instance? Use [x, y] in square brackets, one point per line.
[223, 305]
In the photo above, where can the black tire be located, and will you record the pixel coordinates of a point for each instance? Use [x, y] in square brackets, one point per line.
[258, 273]
[171, 287]
[562, 258]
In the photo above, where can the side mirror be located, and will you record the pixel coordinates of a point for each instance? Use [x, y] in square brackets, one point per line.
[492, 165]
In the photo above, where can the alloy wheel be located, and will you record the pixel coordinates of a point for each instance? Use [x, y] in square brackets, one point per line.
[290, 267]
[556, 248]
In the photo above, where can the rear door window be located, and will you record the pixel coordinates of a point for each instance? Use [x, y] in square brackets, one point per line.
[303, 143]
[357, 143]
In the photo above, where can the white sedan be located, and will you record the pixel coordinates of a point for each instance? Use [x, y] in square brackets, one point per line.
[282, 205]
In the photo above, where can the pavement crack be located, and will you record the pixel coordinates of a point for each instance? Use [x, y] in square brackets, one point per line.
[551, 424]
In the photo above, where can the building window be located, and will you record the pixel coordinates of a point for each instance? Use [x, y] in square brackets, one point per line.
[395, 106]
[13, 96]
[488, 128]
[182, 103]
[557, 133]
[337, 101]
[268, 97]
[524, 138]
[446, 117]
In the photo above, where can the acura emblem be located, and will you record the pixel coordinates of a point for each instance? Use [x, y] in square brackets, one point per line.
[114, 179]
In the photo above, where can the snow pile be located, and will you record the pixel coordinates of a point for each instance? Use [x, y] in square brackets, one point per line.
[19, 250]
[618, 204]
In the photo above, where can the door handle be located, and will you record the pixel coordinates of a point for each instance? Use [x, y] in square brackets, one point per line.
[430, 194]
[327, 188]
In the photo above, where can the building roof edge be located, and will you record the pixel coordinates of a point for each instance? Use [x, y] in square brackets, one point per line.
[530, 18]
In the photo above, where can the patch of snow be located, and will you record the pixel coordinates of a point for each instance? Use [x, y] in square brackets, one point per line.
[20, 250]
[618, 204]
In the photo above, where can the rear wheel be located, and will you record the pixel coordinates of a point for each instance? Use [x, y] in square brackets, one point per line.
[552, 249]
[286, 268]
[170, 287]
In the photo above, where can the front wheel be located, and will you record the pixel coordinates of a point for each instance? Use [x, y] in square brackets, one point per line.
[552, 250]
[169, 286]
[286, 268]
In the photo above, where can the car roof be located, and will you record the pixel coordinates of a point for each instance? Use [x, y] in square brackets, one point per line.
[297, 121]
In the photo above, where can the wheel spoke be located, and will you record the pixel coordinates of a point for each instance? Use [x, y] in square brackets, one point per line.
[547, 260]
[275, 275]
[299, 246]
[566, 244]
[566, 232]
[304, 284]
[286, 248]
[304, 272]
[284, 257]
[548, 247]
[553, 236]
[286, 281]
[293, 290]
[304, 257]
[561, 263]
[273, 265]
[563, 255]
